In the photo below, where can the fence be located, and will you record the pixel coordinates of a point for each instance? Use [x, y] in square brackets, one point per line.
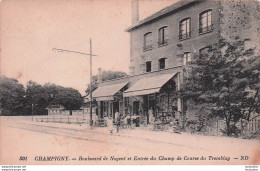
[68, 120]
[251, 128]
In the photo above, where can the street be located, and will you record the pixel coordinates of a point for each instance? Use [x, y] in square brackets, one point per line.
[28, 142]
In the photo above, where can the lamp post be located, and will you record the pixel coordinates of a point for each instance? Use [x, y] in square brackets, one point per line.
[90, 66]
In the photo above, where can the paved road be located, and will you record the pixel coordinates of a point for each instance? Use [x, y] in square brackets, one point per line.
[34, 140]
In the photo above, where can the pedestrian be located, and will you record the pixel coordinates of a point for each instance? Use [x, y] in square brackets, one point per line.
[128, 120]
[150, 115]
[110, 125]
[117, 120]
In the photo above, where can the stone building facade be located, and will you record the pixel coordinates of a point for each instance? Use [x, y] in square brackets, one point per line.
[161, 47]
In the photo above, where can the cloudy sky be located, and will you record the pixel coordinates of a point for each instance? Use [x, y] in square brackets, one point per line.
[31, 28]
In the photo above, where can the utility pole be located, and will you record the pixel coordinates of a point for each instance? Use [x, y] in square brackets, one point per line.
[90, 67]
[90, 95]
[32, 111]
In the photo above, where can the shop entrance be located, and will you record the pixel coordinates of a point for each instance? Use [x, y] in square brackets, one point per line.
[115, 108]
[136, 106]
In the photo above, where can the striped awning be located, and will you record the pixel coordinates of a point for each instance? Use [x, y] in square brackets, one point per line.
[106, 93]
[148, 85]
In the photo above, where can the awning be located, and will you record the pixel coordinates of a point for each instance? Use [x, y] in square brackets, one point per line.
[106, 93]
[148, 85]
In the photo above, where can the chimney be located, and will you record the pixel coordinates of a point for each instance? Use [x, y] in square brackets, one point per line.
[99, 80]
[135, 11]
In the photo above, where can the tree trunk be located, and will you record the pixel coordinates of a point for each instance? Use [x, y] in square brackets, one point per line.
[228, 126]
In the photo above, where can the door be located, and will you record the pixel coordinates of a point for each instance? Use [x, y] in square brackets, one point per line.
[115, 108]
[136, 107]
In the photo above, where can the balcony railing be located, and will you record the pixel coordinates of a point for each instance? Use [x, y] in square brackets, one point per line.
[185, 36]
[163, 42]
[148, 47]
[206, 29]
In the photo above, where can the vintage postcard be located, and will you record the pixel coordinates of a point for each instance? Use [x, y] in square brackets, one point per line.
[129, 82]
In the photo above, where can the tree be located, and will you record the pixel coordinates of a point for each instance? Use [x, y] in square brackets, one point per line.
[226, 79]
[37, 96]
[52, 90]
[11, 96]
[106, 75]
[70, 98]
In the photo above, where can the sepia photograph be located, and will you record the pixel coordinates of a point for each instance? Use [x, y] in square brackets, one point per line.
[129, 82]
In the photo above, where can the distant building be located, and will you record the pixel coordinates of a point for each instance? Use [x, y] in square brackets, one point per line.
[59, 110]
[55, 109]
[161, 47]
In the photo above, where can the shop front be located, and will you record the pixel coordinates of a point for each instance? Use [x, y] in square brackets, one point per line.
[109, 100]
[153, 97]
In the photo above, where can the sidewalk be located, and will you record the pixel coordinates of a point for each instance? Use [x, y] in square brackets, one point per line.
[199, 142]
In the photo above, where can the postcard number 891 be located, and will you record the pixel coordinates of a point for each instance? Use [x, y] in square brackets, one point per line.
[23, 158]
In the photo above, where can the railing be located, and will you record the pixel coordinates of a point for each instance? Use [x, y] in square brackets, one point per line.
[68, 120]
[252, 128]
[147, 47]
[185, 36]
[206, 29]
[163, 42]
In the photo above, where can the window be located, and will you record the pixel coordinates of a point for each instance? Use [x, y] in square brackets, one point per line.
[186, 58]
[148, 66]
[163, 36]
[205, 23]
[148, 41]
[161, 63]
[184, 32]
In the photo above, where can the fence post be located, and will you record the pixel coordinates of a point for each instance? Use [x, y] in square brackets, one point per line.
[77, 120]
[68, 120]
[60, 119]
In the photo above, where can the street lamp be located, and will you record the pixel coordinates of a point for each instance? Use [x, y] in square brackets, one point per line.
[90, 65]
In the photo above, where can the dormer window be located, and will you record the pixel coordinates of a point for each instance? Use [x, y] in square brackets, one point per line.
[148, 41]
[185, 31]
[205, 22]
[163, 36]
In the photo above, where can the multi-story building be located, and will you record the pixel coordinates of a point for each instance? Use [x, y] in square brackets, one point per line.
[161, 46]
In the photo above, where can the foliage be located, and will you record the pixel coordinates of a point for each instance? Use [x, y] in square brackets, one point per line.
[226, 78]
[70, 98]
[36, 96]
[15, 100]
[106, 75]
[11, 96]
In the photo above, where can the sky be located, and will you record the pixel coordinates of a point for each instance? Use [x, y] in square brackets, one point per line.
[30, 29]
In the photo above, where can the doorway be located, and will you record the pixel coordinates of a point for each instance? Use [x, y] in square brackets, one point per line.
[136, 106]
[115, 108]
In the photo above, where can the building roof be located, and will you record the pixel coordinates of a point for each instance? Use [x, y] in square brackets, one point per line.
[107, 91]
[165, 11]
[55, 107]
[148, 85]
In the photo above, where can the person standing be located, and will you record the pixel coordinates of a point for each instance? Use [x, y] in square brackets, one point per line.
[128, 119]
[117, 121]
[150, 115]
[110, 125]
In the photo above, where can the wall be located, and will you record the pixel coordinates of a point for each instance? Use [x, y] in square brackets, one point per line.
[241, 18]
[170, 51]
